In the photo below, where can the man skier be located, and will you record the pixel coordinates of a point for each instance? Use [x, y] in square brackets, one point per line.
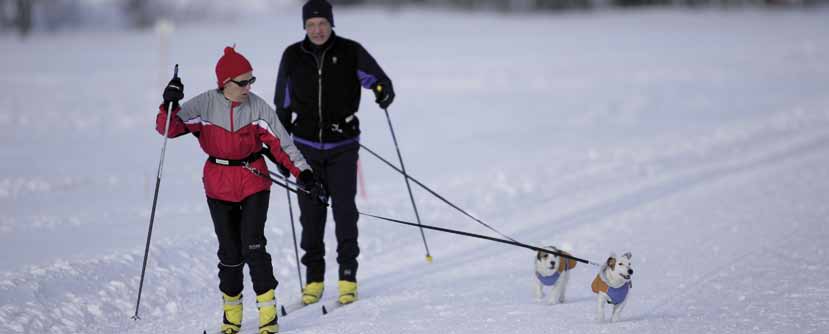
[319, 80]
[232, 124]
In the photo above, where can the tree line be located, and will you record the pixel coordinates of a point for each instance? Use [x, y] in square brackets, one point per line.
[23, 16]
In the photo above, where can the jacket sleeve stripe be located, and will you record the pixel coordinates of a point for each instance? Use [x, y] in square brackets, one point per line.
[287, 97]
[368, 69]
[366, 80]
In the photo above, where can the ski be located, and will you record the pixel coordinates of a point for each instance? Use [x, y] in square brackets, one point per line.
[333, 305]
[286, 309]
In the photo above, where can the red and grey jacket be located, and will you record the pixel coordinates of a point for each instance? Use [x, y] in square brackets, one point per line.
[233, 131]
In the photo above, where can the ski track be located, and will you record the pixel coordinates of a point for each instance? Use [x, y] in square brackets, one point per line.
[725, 226]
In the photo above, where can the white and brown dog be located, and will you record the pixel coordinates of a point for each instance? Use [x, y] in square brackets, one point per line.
[612, 285]
[552, 271]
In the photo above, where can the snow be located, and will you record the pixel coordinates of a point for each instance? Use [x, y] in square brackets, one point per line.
[697, 140]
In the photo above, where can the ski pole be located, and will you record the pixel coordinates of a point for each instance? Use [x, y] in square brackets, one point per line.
[473, 235]
[287, 181]
[267, 153]
[408, 186]
[155, 200]
[434, 193]
[293, 232]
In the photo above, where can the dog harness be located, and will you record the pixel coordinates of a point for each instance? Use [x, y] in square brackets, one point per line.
[564, 266]
[548, 280]
[617, 295]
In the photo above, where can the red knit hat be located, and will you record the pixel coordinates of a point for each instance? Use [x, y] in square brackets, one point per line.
[231, 65]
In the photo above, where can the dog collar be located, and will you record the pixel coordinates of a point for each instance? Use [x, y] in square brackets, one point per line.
[548, 280]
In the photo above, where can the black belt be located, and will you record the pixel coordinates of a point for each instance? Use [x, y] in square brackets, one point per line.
[228, 162]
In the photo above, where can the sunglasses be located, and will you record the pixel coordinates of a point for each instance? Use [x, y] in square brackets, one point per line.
[244, 83]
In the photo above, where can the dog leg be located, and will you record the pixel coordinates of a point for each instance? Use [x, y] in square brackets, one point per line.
[539, 291]
[554, 294]
[600, 308]
[565, 279]
[617, 310]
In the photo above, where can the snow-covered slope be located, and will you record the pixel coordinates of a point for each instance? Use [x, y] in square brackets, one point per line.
[698, 140]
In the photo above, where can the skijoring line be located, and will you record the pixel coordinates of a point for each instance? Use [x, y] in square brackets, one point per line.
[299, 190]
[473, 235]
[436, 194]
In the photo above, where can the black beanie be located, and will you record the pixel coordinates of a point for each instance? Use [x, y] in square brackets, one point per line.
[317, 8]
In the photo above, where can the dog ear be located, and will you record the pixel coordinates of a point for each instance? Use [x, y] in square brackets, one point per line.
[538, 255]
[627, 255]
[611, 262]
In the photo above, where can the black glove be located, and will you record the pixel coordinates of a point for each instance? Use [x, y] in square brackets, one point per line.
[314, 188]
[174, 92]
[383, 94]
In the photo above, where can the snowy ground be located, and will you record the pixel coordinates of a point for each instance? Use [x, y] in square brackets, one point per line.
[698, 140]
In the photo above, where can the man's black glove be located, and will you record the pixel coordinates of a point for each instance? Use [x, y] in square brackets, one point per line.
[314, 188]
[383, 94]
[174, 92]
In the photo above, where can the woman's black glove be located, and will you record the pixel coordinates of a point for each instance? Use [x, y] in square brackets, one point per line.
[174, 92]
[312, 187]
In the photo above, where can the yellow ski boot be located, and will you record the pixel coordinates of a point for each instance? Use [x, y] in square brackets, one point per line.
[312, 292]
[232, 320]
[348, 292]
[266, 303]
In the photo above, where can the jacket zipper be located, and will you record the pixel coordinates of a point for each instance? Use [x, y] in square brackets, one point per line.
[231, 116]
[320, 63]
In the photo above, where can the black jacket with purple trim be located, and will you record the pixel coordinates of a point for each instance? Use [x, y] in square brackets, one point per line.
[321, 84]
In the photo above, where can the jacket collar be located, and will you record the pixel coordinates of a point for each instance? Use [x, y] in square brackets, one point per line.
[310, 47]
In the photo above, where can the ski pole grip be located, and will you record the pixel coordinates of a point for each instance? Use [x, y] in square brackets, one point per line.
[175, 72]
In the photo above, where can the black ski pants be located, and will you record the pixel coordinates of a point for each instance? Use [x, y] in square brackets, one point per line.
[337, 171]
[240, 228]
